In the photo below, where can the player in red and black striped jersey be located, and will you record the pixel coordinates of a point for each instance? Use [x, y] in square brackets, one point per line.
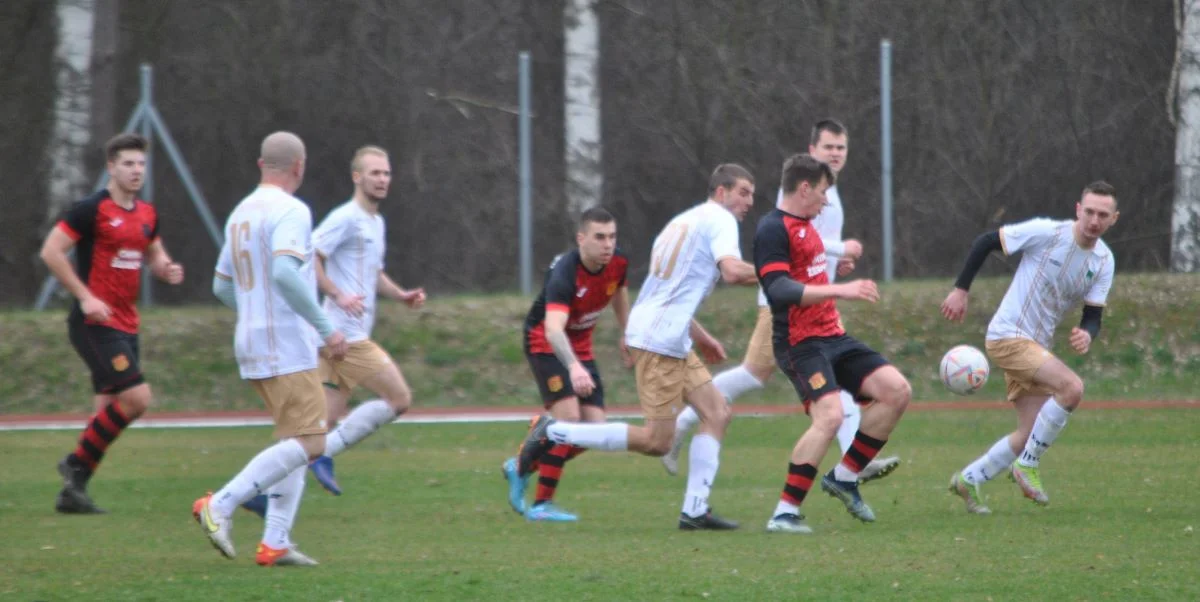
[113, 234]
[814, 351]
[579, 285]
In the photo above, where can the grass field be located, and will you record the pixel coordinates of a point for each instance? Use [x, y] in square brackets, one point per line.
[424, 518]
[466, 350]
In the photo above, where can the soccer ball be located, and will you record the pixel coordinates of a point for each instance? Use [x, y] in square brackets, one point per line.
[964, 369]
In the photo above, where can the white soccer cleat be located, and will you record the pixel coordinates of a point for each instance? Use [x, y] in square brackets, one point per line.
[217, 528]
[268, 556]
[671, 460]
[878, 468]
[788, 523]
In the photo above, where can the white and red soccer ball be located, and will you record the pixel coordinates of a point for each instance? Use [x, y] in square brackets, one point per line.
[964, 369]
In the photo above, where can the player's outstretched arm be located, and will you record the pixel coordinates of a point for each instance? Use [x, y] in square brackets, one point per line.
[954, 308]
[781, 289]
[161, 264]
[736, 271]
[414, 298]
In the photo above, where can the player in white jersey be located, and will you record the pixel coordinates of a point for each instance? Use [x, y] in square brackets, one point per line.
[1063, 263]
[350, 245]
[265, 272]
[828, 143]
[693, 251]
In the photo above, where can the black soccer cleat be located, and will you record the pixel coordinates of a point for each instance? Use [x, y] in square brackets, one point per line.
[708, 522]
[535, 445]
[73, 499]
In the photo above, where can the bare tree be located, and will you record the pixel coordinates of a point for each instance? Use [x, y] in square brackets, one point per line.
[584, 175]
[1185, 217]
[71, 136]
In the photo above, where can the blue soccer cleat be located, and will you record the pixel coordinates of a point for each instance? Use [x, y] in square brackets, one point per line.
[548, 512]
[847, 492]
[257, 505]
[322, 469]
[516, 485]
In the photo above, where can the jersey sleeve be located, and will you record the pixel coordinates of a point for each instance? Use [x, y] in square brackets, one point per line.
[723, 238]
[772, 252]
[560, 283]
[80, 220]
[329, 234]
[153, 222]
[1026, 235]
[1097, 293]
[224, 268]
[292, 233]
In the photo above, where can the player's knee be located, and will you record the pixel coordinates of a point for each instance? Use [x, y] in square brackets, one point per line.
[899, 393]
[400, 400]
[659, 443]
[1072, 393]
[314, 445]
[135, 401]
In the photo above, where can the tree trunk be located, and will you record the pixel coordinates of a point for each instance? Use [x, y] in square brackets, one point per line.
[1185, 219]
[104, 81]
[71, 134]
[584, 171]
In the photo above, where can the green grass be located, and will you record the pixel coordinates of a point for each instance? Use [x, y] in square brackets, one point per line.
[466, 350]
[425, 518]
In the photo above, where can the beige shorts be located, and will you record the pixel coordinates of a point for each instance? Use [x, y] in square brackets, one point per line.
[1020, 359]
[296, 402]
[760, 352]
[363, 360]
[663, 381]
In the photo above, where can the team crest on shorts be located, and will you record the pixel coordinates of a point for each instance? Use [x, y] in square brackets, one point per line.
[120, 363]
[816, 381]
[554, 383]
[612, 288]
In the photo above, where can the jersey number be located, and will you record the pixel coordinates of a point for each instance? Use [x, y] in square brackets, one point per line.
[239, 234]
[666, 252]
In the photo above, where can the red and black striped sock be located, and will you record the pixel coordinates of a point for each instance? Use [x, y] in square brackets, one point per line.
[799, 481]
[861, 452]
[550, 470]
[101, 431]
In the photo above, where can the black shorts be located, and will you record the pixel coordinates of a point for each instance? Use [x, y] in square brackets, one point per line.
[111, 355]
[821, 365]
[554, 382]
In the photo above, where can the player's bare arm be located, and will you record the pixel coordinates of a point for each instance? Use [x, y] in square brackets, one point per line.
[555, 325]
[54, 255]
[954, 308]
[414, 298]
[351, 304]
[620, 305]
[736, 271]
[710, 348]
[161, 264]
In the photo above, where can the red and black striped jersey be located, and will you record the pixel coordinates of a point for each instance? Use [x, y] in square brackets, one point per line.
[582, 294]
[789, 244]
[110, 242]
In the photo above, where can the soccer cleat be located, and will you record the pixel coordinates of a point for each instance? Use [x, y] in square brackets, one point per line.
[788, 523]
[74, 499]
[547, 511]
[322, 469]
[216, 528]
[671, 460]
[1030, 481]
[969, 493]
[516, 485]
[536, 444]
[257, 505]
[847, 492]
[878, 468]
[268, 556]
[709, 521]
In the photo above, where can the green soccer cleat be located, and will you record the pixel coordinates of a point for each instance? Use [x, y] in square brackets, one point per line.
[969, 493]
[1030, 482]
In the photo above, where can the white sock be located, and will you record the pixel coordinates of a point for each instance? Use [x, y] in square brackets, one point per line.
[704, 457]
[609, 436]
[283, 500]
[735, 382]
[270, 466]
[990, 465]
[364, 420]
[851, 417]
[1050, 422]
[785, 508]
[686, 421]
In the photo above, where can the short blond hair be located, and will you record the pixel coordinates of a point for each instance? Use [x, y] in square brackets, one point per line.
[356, 162]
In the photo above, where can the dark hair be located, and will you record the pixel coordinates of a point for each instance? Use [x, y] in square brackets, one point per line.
[726, 175]
[124, 142]
[1102, 188]
[595, 215]
[803, 168]
[832, 126]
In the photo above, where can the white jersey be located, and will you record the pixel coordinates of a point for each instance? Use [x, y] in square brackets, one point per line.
[829, 225]
[1055, 275]
[271, 339]
[353, 243]
[683, 270]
